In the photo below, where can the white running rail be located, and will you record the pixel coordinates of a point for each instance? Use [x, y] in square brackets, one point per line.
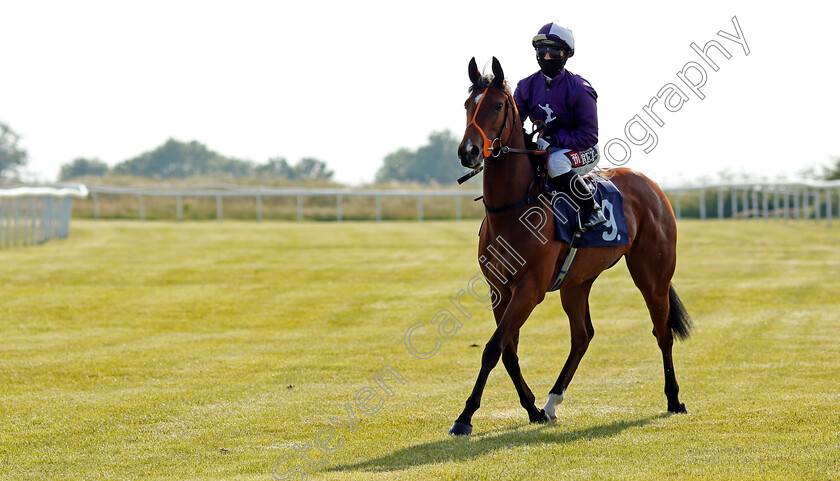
[34, 215]
[745, 200]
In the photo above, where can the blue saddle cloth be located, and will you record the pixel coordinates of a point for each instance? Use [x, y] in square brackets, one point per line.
[613, 233]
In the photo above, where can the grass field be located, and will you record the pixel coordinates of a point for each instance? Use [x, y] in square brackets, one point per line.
[205, 351]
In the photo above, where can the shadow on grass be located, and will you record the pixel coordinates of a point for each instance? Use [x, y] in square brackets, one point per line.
[469, 447]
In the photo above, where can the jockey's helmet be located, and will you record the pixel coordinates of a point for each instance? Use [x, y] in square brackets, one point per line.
[553, 35]
[558, 42]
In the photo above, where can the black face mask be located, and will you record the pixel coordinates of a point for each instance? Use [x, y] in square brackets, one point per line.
[551, 67]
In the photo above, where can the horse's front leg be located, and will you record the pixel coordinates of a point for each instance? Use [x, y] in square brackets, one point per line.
[510, 359]
[515, 315]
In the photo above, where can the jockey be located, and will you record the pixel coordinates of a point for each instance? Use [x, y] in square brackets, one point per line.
[565, 106]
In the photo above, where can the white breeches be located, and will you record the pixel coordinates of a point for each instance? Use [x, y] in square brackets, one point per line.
[561, 161]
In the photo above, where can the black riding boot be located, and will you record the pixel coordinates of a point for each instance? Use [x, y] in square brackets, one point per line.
[575, 187]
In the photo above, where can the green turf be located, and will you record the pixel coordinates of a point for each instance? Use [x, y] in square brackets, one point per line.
[206, 351]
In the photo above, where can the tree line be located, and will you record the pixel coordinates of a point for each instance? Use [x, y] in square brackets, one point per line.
[437, 161]
[182, 160]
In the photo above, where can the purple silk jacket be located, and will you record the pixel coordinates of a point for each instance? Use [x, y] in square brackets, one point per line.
[567, 106]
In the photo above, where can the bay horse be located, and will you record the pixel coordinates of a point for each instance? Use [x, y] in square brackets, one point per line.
[494, 140]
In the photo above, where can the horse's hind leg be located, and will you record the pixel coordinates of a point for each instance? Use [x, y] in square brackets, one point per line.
[653, 278]
[576, 304]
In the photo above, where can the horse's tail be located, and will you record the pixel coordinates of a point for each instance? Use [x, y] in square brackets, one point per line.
[678, 320]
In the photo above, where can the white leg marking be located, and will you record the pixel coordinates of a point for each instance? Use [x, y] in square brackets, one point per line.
[553, 401]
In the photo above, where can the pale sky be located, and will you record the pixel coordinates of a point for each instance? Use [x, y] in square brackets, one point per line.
[350, 82]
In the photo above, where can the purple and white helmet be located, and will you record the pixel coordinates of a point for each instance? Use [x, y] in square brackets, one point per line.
[553, 35]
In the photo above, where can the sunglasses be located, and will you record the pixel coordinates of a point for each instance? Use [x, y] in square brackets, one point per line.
[554, 52]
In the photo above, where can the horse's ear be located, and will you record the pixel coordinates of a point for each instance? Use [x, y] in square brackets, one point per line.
[473, 69]
[498, 74]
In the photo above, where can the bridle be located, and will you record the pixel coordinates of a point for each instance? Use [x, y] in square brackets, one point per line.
[494, 149]
[490, 148]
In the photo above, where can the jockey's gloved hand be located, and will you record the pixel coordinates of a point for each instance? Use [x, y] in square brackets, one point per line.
[529, 140]
[545, 141]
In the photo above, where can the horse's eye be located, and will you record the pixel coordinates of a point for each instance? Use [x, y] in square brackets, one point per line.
[499, 106]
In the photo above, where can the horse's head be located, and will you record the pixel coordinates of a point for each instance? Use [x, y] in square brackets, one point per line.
[488, 109]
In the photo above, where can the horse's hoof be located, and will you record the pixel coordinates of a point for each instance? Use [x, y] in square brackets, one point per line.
[541, 417]
[460, 429]
[677, 409]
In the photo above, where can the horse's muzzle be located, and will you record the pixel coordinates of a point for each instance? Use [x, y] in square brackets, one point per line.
[470, 155]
